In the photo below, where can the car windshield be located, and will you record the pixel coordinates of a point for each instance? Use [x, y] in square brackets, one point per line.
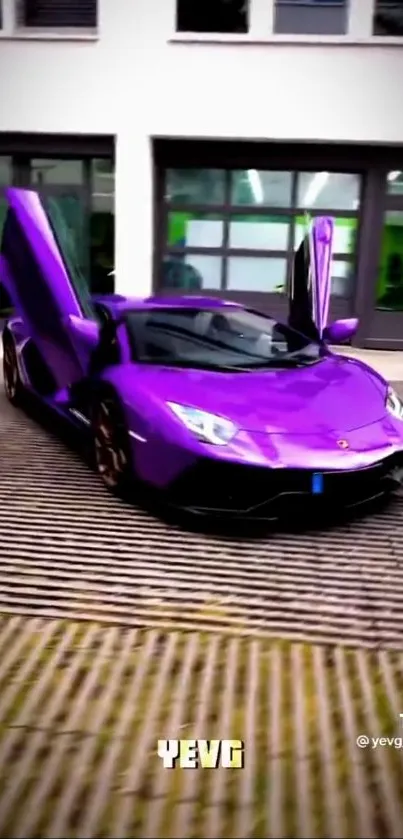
[230, 339]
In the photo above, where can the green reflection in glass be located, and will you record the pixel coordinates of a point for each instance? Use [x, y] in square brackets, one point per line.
[389, 293]
[201, 230]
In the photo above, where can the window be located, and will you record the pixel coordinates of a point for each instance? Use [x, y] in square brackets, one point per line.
[102, 226]
[195, 186]
[395, 183]
[68, 223]
[311, 17]
[328, 191]
[58, 14]
[50, 171]
[238, 230]
[230, 339]
[229, 16]
[257, 273]
[6, 171]
[84, 192]
[389, 294]
[251, 187]
[6, 179]
[388, 18]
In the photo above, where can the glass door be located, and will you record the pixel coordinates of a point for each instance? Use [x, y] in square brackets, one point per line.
[67, 206]
[386, 327]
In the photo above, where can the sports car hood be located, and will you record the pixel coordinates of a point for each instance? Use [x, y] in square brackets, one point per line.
[336, 394]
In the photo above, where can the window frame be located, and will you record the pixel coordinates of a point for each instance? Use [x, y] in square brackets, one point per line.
[12, 26]
[228, 212]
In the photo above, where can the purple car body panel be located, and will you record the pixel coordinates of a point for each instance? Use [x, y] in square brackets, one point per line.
[322, 239]
[284, 419]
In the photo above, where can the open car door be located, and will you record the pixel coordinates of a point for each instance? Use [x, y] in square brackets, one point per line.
[46, 286]
[309, 287]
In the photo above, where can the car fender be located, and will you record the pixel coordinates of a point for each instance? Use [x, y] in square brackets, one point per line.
[161, 450]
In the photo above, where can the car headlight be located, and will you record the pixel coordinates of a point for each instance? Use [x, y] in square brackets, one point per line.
[207, 427]
[394, 404]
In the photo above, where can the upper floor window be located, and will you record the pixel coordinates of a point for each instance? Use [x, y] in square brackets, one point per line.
[388, 18]
[311, 17]
[227, 16]
[57, 14]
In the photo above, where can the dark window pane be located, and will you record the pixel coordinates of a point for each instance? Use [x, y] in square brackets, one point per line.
[6, 171]
[212, 16]
[67, 217]
[191, 272]
[328, 191]
[390, 271]
[58, 14]
[6, 179]
[251, 187]
[259, 232]
[195, 230]
[5, 302]
[310, 17]
[388, 18]
[256, 273]
[56, 171]
[102, 226]
[221, 340]
[343, 277]
[395, 183]
[195, 186]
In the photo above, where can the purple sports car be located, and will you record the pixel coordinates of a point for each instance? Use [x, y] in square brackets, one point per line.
[223, 408]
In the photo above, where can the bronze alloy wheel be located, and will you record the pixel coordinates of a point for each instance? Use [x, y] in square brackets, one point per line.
[10, 371]
[110, 456]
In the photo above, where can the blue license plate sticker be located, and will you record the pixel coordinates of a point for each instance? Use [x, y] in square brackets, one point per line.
[317, 483]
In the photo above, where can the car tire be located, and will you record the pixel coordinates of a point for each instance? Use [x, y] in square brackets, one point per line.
[11, 376]
[111, 446]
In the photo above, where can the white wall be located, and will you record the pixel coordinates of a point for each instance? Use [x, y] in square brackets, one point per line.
[134, 83]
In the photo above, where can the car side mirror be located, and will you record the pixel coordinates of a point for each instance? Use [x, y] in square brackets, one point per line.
[87, 331]
[340, 331]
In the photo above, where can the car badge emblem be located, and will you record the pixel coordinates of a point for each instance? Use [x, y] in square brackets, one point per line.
[342, 444]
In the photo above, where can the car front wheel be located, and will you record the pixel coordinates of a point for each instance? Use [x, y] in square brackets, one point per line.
[112, 453]
[12, 381]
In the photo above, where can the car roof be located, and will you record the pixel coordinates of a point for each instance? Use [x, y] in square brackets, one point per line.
[117, 304]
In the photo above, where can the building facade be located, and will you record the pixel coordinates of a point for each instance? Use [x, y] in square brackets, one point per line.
[185, 141]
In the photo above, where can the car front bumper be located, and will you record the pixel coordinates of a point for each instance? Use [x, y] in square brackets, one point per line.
[217, 488]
